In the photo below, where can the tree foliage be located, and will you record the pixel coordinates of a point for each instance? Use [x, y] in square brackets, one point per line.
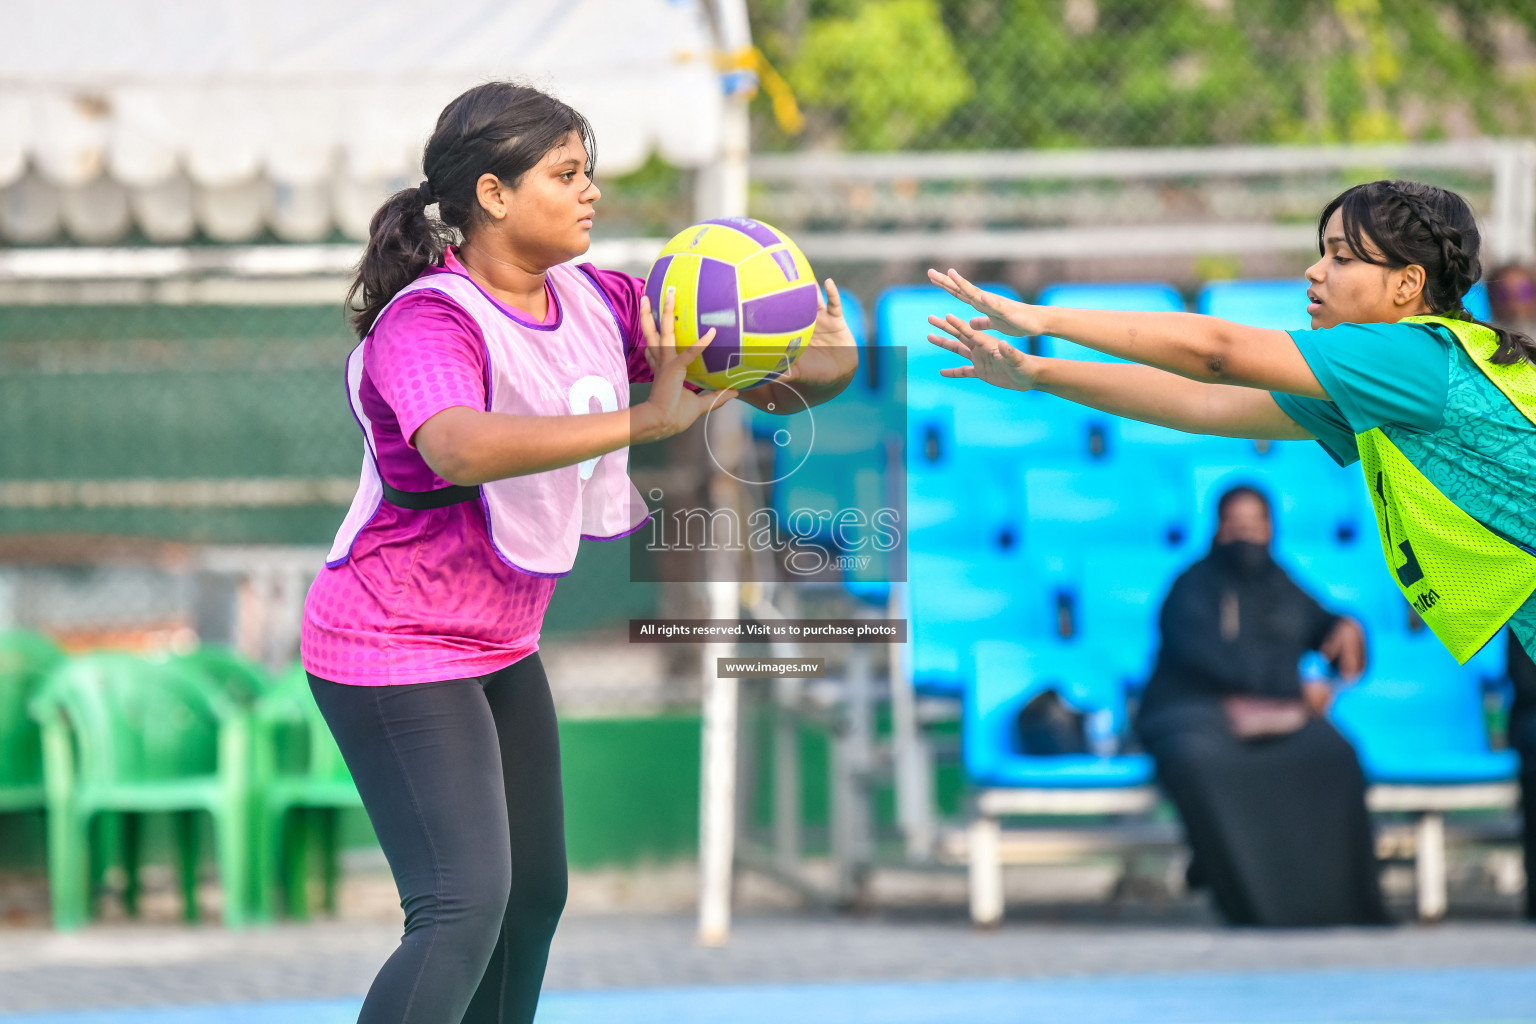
[890, 70]
[884, 74]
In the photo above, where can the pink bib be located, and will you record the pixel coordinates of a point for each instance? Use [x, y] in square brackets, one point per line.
[536, 521]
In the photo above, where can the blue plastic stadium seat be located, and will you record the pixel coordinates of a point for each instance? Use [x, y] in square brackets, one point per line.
[1117, 605]
[1045, 427]
[1007, 675]
[1030, 426]
[1349, 580]
[1491, 664]
[1075, 508]
[958, 595]
[967, 494]
[824, 449]
[876, 593]
[961, 594]
[1314, 499]
[1476, 301]
[1131, 297]
[1417, 719]
[1132, 439]
[1279, 305]
[827, 486]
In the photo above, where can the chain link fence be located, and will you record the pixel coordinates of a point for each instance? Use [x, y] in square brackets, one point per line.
[230, 421]
[1016, 74]
[175, 472]
[142, 436]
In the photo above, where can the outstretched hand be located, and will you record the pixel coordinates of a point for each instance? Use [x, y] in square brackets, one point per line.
[1004, 315]
[992, 359]
[671, 408]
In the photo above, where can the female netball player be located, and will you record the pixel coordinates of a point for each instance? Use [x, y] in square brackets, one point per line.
[483, 469]
[1437, 407]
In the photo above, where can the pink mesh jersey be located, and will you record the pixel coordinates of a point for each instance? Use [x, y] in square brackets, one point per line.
[417, 596]
[536, 521]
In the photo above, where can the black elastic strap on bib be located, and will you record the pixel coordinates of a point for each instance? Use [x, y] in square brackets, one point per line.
[420, 501]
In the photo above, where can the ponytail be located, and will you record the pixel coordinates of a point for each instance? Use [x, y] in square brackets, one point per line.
[496, 128]
[1513, 347]
[402, 242]
[1407, 222]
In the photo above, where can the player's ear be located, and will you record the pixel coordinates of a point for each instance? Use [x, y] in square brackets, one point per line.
[1410, 284]
[490, 193]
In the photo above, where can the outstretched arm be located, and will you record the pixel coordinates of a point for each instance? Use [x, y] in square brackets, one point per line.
[1123, 389]
[1156, 396]
[1202, 348]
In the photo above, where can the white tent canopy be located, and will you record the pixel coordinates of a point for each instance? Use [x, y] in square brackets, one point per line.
[234, 116]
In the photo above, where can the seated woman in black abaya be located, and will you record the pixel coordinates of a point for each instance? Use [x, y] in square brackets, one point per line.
[1271, 795]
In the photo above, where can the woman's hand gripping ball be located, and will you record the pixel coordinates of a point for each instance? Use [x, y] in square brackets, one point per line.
[671, 408]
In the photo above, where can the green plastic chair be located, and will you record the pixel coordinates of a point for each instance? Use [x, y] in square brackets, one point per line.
[301, 785]
[244, 681]
[126, 736]
[26, 658]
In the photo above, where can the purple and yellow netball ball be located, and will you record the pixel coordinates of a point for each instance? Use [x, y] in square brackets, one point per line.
[749, 282]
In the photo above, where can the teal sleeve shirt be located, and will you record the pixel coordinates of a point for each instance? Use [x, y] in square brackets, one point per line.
[1374, 374]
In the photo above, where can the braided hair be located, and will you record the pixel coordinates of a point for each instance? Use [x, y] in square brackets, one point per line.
[1399, 223]
[497, 128]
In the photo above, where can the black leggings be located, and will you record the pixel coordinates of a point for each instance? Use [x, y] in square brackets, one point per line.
[461, 780]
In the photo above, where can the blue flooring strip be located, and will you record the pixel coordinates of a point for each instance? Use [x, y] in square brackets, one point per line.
[1352, 997]
[338, 1011]
[1469, 996]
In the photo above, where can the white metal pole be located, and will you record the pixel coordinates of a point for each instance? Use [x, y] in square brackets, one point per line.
[1512, 220]
[1429, 866]
[717, 798]
[913, 770]
[1504, 215]
[735, 38]
[722, 192]
[1523, 222]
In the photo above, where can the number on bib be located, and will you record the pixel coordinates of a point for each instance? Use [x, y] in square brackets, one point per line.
[581, 395]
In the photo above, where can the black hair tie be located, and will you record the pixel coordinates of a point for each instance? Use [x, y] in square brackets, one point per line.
[424, 190]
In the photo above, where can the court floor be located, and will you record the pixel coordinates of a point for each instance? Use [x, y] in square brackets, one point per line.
[1494, 995]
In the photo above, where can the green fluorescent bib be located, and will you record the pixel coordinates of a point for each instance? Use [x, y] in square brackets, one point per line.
[1464, 579]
